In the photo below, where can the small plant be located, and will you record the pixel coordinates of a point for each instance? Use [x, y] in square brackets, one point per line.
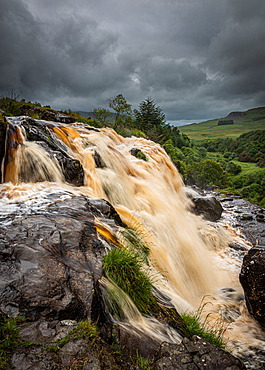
[8, 338]
[125, 268]
[143, 363]
[85, 329]
[197, 326]
[135, 242]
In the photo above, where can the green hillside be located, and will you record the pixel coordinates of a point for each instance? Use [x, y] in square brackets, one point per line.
[252, 119]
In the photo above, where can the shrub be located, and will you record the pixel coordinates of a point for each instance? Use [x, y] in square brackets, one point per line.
[233, 168]
[251, 191]
[207, 172]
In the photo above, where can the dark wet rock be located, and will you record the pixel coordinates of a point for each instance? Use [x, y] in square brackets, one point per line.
[209, 207]
[195, 354]
[260, 217]
[54, 345]
[135, 343]
[138, 154]
[251, 225]
[252, 279]
[246, 217]
[237, 246]
[71, 168]
[51, 261]
[98, 160]
[107, 210]
[46, 114]
[226, 200]
[2, 141]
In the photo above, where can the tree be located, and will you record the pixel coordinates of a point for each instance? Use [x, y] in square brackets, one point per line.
[207, 172]
[233, 168]
[149, 115]
[101, 114]
[122, 109]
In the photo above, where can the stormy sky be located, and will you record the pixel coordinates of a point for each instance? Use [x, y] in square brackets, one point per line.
[198, 59]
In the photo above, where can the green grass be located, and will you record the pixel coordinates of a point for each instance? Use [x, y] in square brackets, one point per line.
[8, 338]
[253, 120]
[125, 268]
[197, 326]
[143, 363]
[135, 243]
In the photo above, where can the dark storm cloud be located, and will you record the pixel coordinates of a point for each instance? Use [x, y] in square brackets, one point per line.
[197, 59]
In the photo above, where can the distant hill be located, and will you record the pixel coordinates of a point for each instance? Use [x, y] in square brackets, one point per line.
[91, 115]
[85, 114]
[252, 119]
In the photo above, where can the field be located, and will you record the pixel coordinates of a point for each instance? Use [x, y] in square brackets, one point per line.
[254, 119]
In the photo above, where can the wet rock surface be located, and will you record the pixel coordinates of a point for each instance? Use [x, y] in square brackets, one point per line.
[61, 345]
[2, 139]
[247, 217]
[50, 261]
[195, 354]
[71, 168]
[209, 207]
[252, 278]
[47, 114]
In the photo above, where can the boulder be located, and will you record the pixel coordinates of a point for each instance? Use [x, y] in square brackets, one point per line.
[61, 345]
[46, 114]
[51, 260]
[252, 279]
[195, 354]
[71, 168]
[209, 207]
[2, 141]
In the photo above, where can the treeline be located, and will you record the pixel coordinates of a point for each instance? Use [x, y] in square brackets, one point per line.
[249, 147]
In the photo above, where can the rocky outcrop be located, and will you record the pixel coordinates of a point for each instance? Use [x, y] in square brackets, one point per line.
[235, 115]
[2, 141]
[51, 260]
[46, 114]
[38, 132]
[64, 345]
[252, 279]
[209, 207]
[195, 354]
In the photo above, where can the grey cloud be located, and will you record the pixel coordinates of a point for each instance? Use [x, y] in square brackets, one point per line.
[197, 59]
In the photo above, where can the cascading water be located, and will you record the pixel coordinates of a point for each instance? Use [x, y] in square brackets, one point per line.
[188, 258]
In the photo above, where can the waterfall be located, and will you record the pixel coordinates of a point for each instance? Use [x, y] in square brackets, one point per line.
[186, 253]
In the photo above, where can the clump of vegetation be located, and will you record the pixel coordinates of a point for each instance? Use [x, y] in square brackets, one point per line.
[134, 242]
[85, 329]
[207, 172]
[125, 268]
[8, 338]
[197, 326]
[143, 363]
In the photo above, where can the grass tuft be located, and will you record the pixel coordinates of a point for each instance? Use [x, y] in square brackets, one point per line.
[125, 268]
[135, 243]
[197, 326]
[8, 338]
